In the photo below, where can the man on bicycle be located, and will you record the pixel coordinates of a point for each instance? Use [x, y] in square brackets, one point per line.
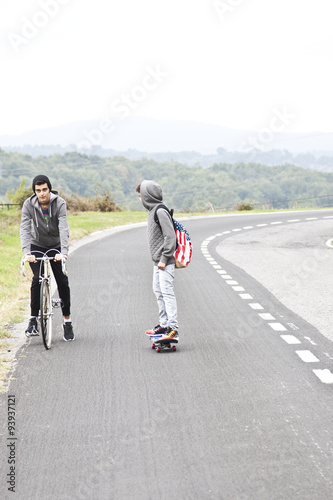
[44, 227]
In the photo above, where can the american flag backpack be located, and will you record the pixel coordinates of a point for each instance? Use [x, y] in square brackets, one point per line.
[183, 252]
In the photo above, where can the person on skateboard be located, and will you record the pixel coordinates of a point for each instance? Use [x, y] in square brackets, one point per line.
[162, 245]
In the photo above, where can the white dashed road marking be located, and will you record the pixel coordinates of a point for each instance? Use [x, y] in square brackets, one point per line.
[324, 375]
[290, 339]
[267, 316]
[278, 327]
[256, 306]
[307, 356]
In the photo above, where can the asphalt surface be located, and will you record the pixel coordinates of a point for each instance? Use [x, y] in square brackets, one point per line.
[236, 413]
[293, 262]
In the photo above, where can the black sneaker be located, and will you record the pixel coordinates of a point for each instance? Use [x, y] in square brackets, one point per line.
[32, 329]
[157, 330]
[170, 334]
[68, 331]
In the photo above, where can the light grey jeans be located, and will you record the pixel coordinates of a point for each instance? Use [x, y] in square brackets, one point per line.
[166, 300]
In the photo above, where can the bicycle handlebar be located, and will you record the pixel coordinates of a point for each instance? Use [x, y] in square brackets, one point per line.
[45, 258]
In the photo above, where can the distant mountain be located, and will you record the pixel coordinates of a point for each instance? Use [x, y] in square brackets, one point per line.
[158, 136]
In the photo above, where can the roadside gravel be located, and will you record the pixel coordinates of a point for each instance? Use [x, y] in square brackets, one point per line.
[292, 262]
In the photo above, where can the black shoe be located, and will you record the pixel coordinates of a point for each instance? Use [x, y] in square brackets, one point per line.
[68, 331]
[32, 329]
[157, 330]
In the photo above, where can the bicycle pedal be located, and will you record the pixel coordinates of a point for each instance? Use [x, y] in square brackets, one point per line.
[56, 302]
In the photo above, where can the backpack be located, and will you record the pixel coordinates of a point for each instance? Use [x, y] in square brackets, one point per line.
[183, 252]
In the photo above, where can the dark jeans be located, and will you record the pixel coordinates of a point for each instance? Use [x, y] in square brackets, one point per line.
[61, 279]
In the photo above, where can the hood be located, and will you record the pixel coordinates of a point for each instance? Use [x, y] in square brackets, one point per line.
[151, 194]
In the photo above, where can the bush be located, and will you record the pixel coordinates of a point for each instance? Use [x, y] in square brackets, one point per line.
[97, 203]
[243, 205]
[77, 203]
[101, 202]
[20, 195]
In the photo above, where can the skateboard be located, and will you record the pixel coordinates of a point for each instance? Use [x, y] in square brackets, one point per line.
[158, 343]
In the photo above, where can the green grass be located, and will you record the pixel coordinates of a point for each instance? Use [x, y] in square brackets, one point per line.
[85, 223]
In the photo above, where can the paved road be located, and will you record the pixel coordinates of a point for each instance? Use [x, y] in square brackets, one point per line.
[235, 413]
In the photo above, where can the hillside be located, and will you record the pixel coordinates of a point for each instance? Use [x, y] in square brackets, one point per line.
[316, 160]
[185, 188]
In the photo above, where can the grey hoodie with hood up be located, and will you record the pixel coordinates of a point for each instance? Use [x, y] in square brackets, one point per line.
[35, 230]
[161, 237]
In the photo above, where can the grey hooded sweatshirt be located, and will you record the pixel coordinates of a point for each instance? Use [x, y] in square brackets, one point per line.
[35, 230]
[161, 237]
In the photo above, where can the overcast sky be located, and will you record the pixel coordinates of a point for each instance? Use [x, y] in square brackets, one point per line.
[234, 63]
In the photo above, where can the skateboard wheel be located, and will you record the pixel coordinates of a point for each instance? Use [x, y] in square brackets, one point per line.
[153, 346]
[158, 349]
[174, 348]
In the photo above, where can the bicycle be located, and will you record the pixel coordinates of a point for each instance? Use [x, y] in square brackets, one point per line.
[47, 304]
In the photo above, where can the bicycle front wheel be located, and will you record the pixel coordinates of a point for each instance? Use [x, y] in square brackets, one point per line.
[46, 313]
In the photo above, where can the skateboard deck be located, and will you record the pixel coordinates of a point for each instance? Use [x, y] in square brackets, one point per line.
[158, 343]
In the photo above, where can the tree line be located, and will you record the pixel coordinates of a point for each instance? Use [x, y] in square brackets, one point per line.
[185, 188]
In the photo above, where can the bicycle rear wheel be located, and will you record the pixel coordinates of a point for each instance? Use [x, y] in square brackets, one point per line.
[46, 313]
